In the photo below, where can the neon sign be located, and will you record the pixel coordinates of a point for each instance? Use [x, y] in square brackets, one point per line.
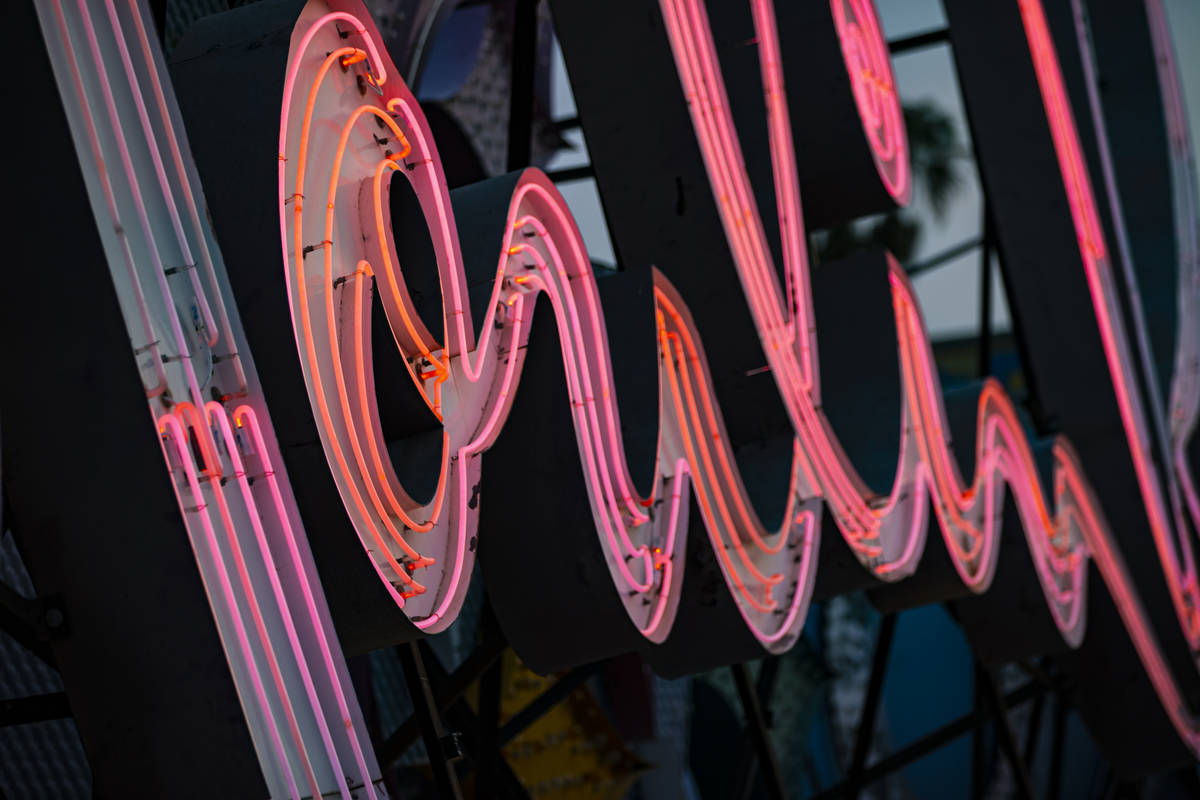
[1177, 558]
[205, 400]
[870, 66]
[469, 386]
[347, 125]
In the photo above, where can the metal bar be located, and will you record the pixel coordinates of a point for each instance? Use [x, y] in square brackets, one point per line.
[457, 682]
[767, 673]
[507, 784]
[158, 12]
[1131, 789]
[1187, 777]
[419, 690]
[34, 708]
[21, 618]
[1040, 675]
[1122, 788]
[941, 258]
[1008, 740]
[1033, 730]
[520, 104]
[978, 742]
[1108, 791]
[538, 706]
[445, 693]
[572, 174]
[927, 744]
[466, 723]
[1056, 750]
[567, 124]
[870, 712]
[985, 298]
[488, 753]
[927, 39]
[756, 730]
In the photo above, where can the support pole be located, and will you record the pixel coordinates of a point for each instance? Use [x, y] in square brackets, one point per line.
[917, 41]
[870, 713]
[421, 693]
[520, 106]
[444, 695]
[458, 714]
[1008, 740]
[767, 674]
[985, 298]
[979, 750]
[545, 701]
[1056, 749]
[35, 708]
[756, 731]
[926, 745]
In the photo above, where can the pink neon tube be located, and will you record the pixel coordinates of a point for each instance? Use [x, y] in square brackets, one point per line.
[185, 185]
[470, 383]
[244, 417]
[1184, 411]
[182, 349]
[147, 330]
[175, 436]
[305, 748]
[1172, 543]
[185, 250]
[867, 58]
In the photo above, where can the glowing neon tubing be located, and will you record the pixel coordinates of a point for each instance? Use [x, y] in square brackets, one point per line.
[139, 203]
[168, 126]
[151, 343]
[213, 474]
[869, 63]
[244, 417]
[173, 433]
[722, 497]
[1185, 382]
[292, 693]
[210, 323]
[216, 413]
[1085, 515]
[461, 539]
[1172, 543]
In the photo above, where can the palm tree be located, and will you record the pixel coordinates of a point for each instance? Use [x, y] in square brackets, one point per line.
[933, 150]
